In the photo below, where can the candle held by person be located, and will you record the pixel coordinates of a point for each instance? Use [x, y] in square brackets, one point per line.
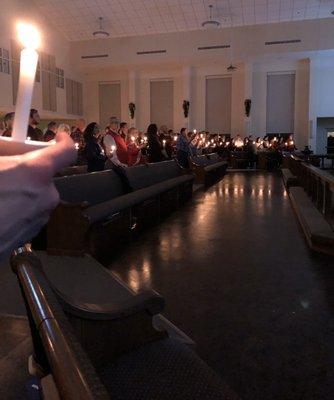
[30, 39]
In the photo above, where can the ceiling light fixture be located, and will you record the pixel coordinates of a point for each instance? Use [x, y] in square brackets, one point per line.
[101, 33]
[210, 23]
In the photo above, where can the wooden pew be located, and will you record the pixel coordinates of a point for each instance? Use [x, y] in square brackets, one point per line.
[166, 185]
[108, 351]
[99, 211]
[208, 168]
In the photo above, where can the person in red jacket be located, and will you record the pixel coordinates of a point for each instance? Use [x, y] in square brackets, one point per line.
[134, 148]
[115, 146]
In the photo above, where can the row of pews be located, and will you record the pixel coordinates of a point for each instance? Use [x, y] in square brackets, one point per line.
[94, 337]
[311, 192]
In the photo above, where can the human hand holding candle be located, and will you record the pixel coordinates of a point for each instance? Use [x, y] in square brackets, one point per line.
[30, 194]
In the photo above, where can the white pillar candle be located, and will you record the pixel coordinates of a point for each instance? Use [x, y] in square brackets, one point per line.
[30, 38]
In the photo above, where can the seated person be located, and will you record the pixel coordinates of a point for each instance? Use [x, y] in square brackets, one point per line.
[51, 131]
[94, 152]
[8, 122]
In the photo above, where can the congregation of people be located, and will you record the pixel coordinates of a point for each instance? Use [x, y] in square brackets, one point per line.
[117, 144]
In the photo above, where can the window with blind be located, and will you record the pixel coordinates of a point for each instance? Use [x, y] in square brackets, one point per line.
[110, 101]
[49, 92]
[74, 97]
[280, 102]
[218, 104]
[4, 61]
[60, 80]
[162, 102]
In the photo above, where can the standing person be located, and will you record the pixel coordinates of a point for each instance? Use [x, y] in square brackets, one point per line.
[134, 147]
[114, 145]
[77, 134]
[2, 127]
[51, 132]
[8, 122]
[94, 152]
[123, 130]
[155, 147]
[34, 133]
[183, 150]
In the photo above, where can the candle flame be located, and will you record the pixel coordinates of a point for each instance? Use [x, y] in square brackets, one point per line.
[28, 35]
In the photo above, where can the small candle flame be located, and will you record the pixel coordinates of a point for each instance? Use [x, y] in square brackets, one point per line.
[76, 145]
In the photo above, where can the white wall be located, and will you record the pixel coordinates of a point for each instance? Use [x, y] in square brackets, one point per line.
[321, 94]
[189, 84]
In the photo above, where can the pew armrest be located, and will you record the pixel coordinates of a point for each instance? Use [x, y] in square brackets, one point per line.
[148, 300]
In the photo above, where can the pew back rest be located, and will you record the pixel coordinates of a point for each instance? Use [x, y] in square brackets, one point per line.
[214, 157]
[201, 160]
[142, 176]
[94, 188]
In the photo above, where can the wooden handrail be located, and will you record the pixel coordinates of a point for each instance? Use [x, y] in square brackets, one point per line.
[323, 175]
[74, 376]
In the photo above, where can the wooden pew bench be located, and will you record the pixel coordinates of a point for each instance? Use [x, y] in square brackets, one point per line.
[97, 343]
[165, 186]
[319, 234]
[208, 168]
[288, 178]
[239, 159]
[98, 211]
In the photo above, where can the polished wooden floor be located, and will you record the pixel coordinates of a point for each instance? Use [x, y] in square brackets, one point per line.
[239, 279]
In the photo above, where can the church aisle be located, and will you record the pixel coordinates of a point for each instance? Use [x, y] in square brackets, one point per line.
[239, 278]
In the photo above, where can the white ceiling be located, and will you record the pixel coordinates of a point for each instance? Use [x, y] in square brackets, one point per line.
[77, 19]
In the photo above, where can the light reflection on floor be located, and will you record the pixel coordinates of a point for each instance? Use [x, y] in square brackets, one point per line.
[238, 278]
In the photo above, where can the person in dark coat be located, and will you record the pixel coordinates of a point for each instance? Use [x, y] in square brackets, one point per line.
[34, 133]
[155, 147]
[50, 133]
[94, 152]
